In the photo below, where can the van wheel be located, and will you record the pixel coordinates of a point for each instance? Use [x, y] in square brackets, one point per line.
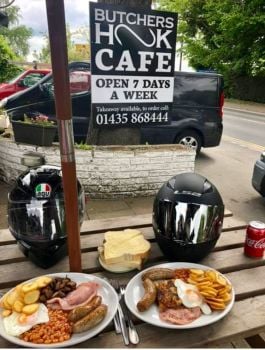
[191, 139]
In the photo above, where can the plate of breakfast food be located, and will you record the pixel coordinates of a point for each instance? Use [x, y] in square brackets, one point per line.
[179, 295]
[57, 310]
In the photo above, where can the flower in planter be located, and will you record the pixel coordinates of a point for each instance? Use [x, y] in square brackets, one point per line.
[34, 130]
[40, 119]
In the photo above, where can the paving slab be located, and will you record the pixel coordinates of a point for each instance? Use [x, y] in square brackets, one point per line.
[140, 205]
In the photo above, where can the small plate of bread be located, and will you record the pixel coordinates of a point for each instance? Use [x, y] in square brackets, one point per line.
[123, 251]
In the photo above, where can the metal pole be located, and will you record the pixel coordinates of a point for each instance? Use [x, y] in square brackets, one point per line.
[180, 56]
[58, 45]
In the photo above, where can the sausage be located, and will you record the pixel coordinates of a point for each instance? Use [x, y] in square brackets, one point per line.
[149, 296]
[90, 320]
[158, 274]
[81, 311]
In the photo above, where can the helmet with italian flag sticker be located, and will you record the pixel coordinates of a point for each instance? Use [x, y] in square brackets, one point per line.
[36, 214]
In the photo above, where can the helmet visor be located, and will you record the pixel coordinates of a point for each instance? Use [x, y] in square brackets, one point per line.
[188, 222]
[40, 220]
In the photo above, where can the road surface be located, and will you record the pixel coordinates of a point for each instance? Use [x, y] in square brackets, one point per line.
[230, 165]
[244, 126]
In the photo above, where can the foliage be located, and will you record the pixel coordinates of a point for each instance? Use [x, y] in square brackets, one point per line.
[16, 35]
[83, 146]
[40, 119]
[226, 36]
[73, 54]
[7, 70]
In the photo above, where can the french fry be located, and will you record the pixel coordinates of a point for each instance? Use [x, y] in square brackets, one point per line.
[221, 280]
[18, 306]
[215, 289]
[216, 306]
[211, 275]
[30, 309]
[204, 284]
[43, 281]
[226, 297]
[12, 297]
[197, 272]
[28, 287]
[191, 281]
[31, 297]
[6, 313]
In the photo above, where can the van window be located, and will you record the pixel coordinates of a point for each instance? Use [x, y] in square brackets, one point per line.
[195, 91]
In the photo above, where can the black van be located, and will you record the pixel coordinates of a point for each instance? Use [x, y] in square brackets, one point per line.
[196, 115]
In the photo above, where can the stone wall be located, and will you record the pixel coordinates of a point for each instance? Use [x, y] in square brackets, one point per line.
[108, 171]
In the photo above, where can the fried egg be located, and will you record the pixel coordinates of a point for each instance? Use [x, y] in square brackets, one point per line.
[191, 297]
[13, 325]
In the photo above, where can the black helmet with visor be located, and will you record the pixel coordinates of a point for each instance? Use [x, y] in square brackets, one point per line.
[36, 214]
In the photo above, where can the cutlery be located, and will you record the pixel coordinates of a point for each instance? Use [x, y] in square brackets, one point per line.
[117, 323]
[133, 335]
[116, 317]
[122, 322]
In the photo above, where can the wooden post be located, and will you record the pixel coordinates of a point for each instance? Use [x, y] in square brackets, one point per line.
[57, 36]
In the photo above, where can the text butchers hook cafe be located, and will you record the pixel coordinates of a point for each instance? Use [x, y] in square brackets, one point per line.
[132, 65]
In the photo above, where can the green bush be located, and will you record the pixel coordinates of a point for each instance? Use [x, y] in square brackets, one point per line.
[7, 69]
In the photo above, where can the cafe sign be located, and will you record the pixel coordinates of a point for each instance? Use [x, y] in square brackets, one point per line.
[132, 65]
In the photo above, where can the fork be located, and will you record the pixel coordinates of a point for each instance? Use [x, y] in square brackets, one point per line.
[116, 316]
[133, 335]
[121, 316]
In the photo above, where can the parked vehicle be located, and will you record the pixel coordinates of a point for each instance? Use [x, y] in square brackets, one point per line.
[196, 115]
[22, 82]
[258, 177]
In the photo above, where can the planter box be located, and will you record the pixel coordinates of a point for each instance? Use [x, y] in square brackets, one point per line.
[33, 134]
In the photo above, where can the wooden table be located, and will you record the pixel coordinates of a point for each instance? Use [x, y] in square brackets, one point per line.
[247, 276]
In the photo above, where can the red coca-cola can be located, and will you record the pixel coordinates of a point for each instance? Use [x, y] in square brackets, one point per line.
[255, 239]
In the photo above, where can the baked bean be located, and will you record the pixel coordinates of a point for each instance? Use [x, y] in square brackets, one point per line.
[58, 329]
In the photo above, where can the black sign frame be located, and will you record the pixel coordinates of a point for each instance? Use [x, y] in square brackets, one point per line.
[132, 65]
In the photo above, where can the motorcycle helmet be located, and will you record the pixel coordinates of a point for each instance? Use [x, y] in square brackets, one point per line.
[188, 214]
[36, 214]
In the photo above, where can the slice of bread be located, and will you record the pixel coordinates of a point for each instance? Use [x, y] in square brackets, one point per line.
[128, 246]
[120, 236]
[135, 264]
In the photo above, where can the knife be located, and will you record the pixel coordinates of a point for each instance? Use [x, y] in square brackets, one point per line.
[124, 330]
[133, 335]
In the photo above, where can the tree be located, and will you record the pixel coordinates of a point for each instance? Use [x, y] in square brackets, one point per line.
[16, 35]
[73, 53]
[7, 70]
[227, 36]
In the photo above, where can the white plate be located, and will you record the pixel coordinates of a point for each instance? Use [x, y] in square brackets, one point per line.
[116, 269]
[134, 292]
[109, 297]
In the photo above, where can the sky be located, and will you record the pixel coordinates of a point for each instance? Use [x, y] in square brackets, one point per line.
[33, 15]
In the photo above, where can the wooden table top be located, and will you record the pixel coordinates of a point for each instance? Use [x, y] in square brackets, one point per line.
[246, 318]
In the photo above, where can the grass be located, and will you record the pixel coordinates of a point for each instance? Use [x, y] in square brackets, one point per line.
[84, 146]
[242, 102]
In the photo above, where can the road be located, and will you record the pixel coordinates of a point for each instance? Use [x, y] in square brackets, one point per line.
[230, 165]
[245, 126]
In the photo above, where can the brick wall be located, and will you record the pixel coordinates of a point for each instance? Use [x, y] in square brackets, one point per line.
[108, 171]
